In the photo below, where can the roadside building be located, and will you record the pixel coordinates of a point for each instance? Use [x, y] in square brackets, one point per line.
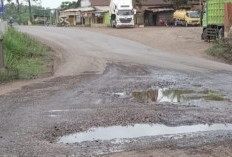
[101, 15]
[40, 19]
[154, 12]
[149, 13]
[95, 13]
[77, 16]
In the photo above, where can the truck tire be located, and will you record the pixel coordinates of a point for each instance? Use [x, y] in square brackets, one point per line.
[205, 36]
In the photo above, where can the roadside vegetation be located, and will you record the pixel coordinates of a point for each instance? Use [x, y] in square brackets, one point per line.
[24, 57]
[222, 48]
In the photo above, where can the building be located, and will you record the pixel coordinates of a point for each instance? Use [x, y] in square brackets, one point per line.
[149, 13]
[77, 16]
[101, 15]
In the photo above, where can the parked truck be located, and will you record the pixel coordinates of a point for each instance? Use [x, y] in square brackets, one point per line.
[122, 13]
[186, 18]
[213, 19]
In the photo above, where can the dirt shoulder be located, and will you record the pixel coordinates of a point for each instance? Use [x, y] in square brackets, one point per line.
[222, 150]
[179, 40]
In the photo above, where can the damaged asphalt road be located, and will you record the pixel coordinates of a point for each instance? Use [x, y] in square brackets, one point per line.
[33, 118]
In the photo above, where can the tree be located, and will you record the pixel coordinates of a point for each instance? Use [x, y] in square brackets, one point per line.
[24, 16]
[30, 13]
[68, 5]
[18, 8]
[29, 6]
[137, 3]
[78, 3]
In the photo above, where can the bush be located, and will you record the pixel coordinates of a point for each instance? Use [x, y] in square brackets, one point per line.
[221, 48]
[24, 57]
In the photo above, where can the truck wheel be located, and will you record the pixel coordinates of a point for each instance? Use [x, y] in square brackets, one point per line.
[111, 23]
[205, 36]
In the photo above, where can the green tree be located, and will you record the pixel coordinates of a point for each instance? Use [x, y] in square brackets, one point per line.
[18, 8]
[137, 3]
[68, 5]
[23, 15]
[29, 6]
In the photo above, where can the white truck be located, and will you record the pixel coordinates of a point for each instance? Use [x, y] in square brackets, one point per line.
[122, 13]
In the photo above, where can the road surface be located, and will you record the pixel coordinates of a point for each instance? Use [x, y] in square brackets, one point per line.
[103, 81]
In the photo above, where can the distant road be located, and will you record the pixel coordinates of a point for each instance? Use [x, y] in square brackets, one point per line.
[81, 50]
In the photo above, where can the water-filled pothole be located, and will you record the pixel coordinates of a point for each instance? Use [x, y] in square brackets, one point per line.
[172, 95]
[138, 130]
[161, 95]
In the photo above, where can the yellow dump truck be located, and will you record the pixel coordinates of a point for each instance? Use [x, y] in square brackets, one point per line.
[186, 18]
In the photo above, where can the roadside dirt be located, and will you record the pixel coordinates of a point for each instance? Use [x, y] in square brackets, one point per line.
[221, 150]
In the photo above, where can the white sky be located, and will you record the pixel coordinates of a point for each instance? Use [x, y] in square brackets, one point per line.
[53, 3]
[47, 3]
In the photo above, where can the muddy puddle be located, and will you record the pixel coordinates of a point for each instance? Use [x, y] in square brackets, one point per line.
[138, 130]
[172, 95]
[161, 95]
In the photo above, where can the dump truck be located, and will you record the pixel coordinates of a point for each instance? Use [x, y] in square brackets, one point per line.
[213, 19]
[122, 13]
[186, 17]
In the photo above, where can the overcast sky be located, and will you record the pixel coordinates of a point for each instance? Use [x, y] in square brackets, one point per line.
[53, 3]
[48, 3]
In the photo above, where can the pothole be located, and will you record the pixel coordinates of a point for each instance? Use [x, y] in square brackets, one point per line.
[138, 130]
[172, 95]
[161, 95]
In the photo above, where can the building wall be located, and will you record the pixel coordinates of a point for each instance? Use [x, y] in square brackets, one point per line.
[72, 20]
[139, 19]
[88, 21]
[106, 19]
[166, 16]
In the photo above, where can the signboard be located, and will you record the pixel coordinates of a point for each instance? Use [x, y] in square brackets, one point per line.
[1, 7]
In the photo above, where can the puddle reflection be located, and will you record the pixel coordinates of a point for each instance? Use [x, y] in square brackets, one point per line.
[138, 130]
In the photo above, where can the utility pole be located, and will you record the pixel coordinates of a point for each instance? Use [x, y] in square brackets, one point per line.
[1, 54]
[44, 18]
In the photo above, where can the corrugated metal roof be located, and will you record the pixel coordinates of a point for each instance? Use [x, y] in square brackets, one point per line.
[100, 2]
[86, 9]
[144, 2]
[161, 9]
[102, 8]
[154, 2]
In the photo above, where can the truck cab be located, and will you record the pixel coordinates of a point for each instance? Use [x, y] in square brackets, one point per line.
[186, 18]
[122, 13]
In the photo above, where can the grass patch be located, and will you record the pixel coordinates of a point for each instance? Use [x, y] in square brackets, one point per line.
[214, 97]
[221, 48]
[24, 57]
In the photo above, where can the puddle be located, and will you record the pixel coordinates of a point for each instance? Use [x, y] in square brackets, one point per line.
[161, 95]
[175, 96]
[53, 111]
[138, 130]
[52, 116]
[121, 95]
